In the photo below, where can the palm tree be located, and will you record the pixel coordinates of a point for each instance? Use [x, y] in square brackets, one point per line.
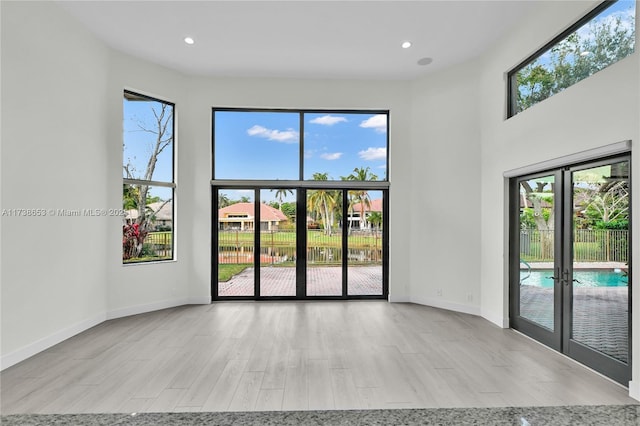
[223, 200]
[375, 218]
[360, 197]
[281, 195]
[323, 202]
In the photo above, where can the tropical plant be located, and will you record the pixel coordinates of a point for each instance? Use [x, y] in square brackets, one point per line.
[323, 202]
[360, 197]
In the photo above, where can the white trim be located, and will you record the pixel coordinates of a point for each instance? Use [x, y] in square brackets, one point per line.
[634, 389]
[149, 307]
[578, 157]
[46, 342]
[200, 300]
[498, 320]
[399, 299]
[449, 306]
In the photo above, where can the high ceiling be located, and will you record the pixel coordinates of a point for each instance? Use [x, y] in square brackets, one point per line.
[301, 39]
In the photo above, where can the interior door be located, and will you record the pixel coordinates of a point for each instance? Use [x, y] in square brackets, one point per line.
[570, 274]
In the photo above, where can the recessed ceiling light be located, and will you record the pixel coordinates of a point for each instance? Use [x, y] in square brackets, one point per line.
[425, 61]
[189, 40]
[406, 44]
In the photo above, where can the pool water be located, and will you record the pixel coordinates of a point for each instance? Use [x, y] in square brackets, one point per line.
[587, 278]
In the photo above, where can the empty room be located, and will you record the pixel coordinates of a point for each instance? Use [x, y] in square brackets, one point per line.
[319, 212]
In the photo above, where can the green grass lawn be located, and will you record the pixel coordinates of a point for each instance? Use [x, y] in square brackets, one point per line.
[226, 271]
[288, 239]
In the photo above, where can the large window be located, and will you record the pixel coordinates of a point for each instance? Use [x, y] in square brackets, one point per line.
[299, 204]
[147, 179]
[294, 145]
[599, 39]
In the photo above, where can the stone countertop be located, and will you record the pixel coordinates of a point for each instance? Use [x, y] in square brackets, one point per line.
[619, 415]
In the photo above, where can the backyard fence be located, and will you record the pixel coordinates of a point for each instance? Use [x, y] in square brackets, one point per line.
[159, 243]
[589, 245]
[279, 246]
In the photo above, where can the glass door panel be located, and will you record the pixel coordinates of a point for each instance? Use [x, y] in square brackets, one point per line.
[570, 262]
[364, 243]
[278, 242]
[324, 242]
[537, 250]
[599, 286]
[235, 251]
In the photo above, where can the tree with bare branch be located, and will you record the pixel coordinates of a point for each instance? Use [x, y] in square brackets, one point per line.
[137, 195]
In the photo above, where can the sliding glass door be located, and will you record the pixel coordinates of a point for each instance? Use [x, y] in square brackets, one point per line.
[570, 262]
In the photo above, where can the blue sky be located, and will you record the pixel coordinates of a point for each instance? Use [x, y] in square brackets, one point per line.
[266, 145]
[623, 9]
[138, 145]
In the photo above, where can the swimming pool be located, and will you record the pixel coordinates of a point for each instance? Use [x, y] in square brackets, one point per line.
[586, 278]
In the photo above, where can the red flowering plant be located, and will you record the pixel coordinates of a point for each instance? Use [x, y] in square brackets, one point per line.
[133, 236]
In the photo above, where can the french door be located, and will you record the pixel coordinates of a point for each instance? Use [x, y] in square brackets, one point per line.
[570, 269]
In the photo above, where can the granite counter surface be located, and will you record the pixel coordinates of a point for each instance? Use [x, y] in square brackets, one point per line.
[618, 415]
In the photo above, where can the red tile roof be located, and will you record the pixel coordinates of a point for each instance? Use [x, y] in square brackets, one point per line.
[267, 213]
[376, 206]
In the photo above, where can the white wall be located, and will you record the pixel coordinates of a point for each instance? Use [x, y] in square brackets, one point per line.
[138, 288]
[445, 198]
[600, 110]
[205, 93]
[54, 141]
[62, 148]
[450, 144]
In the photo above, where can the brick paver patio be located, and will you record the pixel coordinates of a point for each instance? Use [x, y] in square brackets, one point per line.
[321, 281]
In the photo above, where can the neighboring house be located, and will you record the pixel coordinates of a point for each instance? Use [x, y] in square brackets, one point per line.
[355, 221]
[240, 216]
[161, 218]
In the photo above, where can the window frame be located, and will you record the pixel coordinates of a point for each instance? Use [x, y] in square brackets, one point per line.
[302, 113]
[154, 183]
[512, 88]
[301, 186]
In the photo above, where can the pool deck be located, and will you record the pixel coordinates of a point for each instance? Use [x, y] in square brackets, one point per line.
[580, 265]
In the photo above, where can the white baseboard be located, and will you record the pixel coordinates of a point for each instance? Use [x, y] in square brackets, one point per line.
[634, 389]
[450, 306]
[498, 320]
[200, 300]
[46, 342]
[399, 299]
[148, 307]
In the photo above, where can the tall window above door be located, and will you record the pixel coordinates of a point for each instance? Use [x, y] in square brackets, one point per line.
[300, 145]
[601, 38]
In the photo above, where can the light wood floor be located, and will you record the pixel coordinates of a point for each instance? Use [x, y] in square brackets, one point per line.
[298, 356]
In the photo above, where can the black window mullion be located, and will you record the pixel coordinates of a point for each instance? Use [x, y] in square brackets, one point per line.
[256, 243]
[301, 243]
[301, 161]
[214, 243]
[385, 243]
[345, 242]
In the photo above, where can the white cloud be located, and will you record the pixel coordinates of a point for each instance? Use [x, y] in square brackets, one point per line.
[328, 120]
[331, 155]
[371, 154]
[286, 136]
[377, 122]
